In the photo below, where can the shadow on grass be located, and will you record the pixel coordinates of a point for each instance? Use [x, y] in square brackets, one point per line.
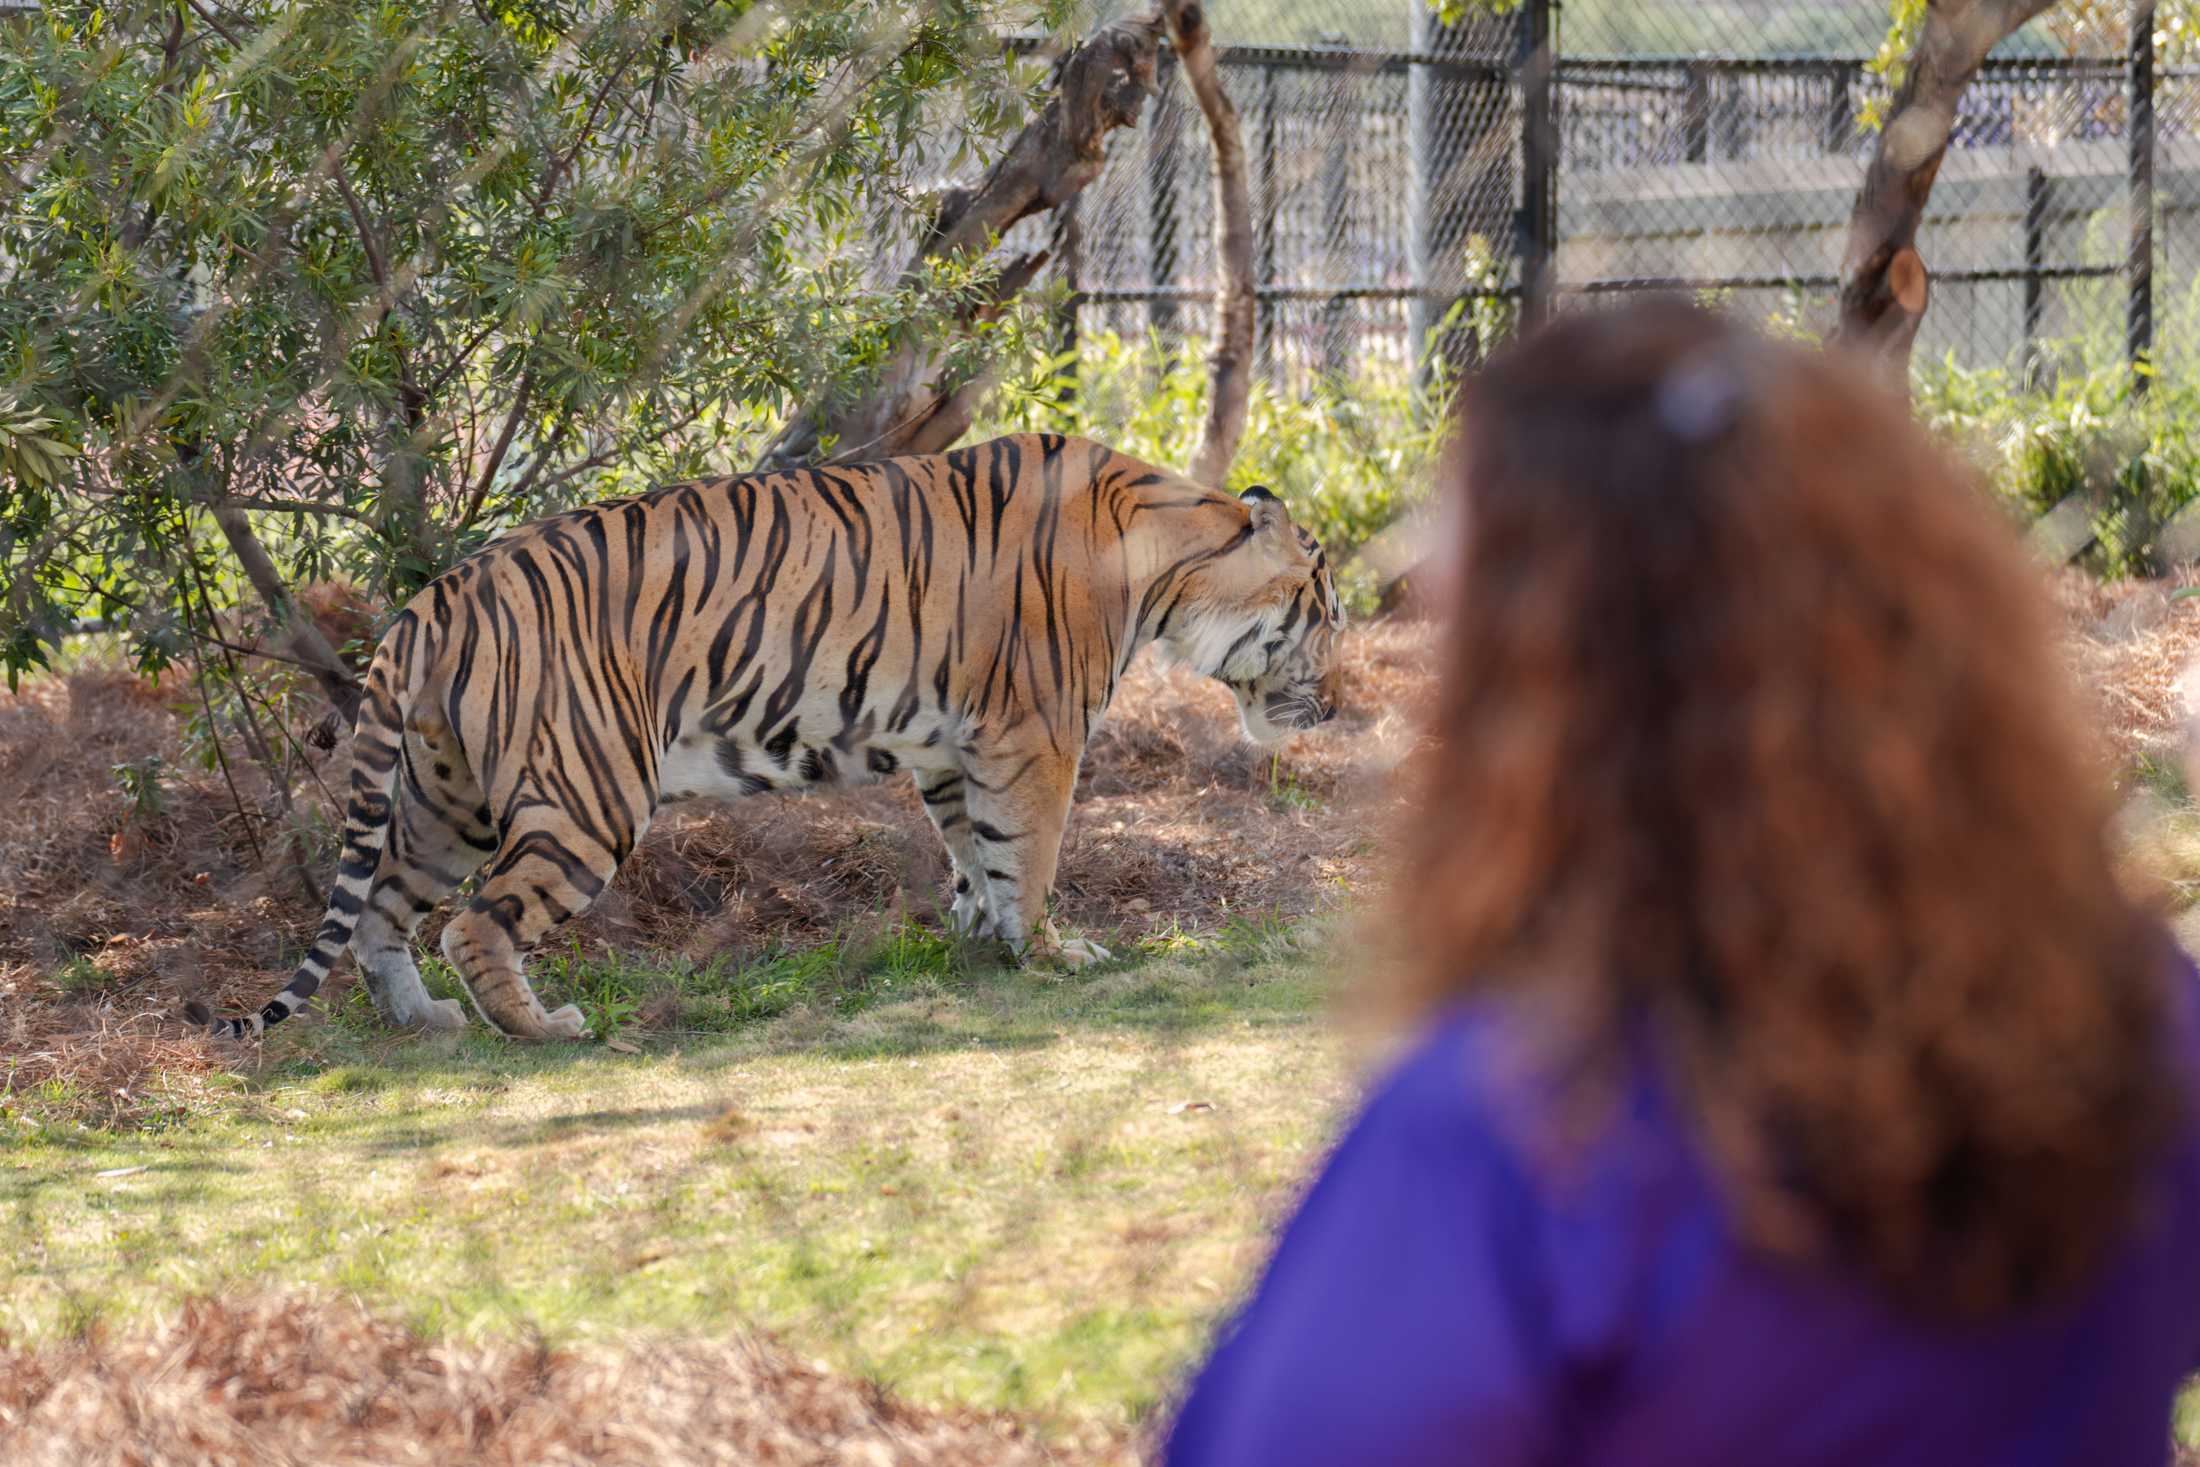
[908, 993]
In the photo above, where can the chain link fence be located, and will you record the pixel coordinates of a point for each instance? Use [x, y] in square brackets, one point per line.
[1711, 148]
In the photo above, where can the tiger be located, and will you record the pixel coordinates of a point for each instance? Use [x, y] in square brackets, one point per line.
[962, 618]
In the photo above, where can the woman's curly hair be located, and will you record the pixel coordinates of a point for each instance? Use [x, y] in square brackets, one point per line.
[1754, 737]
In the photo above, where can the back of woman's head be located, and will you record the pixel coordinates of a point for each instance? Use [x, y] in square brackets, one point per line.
[1754, 736]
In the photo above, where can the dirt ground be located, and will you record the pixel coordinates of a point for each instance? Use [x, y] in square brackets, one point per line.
[2134, 643]
[111, 918]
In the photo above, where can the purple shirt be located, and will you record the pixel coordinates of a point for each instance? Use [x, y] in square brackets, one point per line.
[1439, 1300]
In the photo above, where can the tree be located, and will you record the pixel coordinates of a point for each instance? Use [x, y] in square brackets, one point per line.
[290, 287]
[1884, 287]
[924, 395]
[1230, 364]
[1932, 53]
[923, 398]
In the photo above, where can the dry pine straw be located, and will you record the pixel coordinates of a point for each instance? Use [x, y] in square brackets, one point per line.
[109, 920]
[294, 1380]
[1177, 821]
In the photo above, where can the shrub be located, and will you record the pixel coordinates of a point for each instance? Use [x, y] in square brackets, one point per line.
[1348, 457]
[2085, 431]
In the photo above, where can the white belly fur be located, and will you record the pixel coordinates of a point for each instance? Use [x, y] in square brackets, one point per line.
[703, 764]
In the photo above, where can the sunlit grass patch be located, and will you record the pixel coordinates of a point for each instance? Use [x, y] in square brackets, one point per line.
[996, 1186]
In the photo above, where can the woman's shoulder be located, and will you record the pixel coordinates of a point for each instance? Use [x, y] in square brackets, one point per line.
[1461, 1077]
[1491, 1065]
[1587, 1178]
[1489, 1086]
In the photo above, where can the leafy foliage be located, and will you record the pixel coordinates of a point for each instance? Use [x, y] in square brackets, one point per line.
[2103, 27]
[1348, 456]
[2136, 457]
[388, 276]
[2072, 27]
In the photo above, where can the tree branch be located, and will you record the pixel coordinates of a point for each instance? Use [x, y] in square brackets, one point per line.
[459, 359]
[503, 443]
[409, 503]
[293, 506]
[306, 642]
[1884, 285]
[1230, 363]
[212, 24]
[1101, 86]
[558, 165]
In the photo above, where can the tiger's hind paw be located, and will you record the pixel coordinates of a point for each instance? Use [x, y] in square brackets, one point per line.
[566, 1023]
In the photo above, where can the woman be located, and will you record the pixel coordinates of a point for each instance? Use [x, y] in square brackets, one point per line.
[1795, 1086]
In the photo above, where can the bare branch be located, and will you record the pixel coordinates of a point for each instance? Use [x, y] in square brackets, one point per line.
[1884, 285]
[212, 24]
[559, 165]
[463, 355]
[1101, 86]
[1230, 363]
[503, 444]
[294, 506]
[367, 242]
[306, 641]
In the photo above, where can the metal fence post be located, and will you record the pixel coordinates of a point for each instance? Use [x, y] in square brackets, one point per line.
[1461, 179]
[1538, 230]
[1337, 323]
[1841, 109]
[2139, 308]
[1696, 115]
[1264, 229]
[1162, 177]
[2035, 261]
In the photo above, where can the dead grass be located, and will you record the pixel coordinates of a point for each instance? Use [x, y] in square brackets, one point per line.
[2132, 645]
[113, 915]
[287, 1380]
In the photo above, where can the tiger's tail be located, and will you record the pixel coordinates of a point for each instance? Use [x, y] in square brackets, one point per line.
[376, 745]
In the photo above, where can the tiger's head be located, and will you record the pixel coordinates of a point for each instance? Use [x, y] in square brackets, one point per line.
[1267, 625]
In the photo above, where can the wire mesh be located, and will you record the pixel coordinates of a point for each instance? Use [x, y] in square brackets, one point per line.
[1712, 148]
[2177, 220]
[1342, 220]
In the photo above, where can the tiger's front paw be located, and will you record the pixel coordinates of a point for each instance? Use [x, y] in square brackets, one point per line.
[1078, 951]
[566, 1023]
[446, 1015]
[968, 916]
[1047, 945]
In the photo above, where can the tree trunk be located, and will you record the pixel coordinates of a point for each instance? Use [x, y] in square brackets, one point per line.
[1230, 363]
[1884, 286]
[304, 637]
[1101, 87]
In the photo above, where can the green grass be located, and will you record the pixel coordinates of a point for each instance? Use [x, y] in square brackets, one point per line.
[967, 1183]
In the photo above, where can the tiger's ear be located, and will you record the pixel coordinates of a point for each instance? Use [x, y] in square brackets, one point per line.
[1268, 511]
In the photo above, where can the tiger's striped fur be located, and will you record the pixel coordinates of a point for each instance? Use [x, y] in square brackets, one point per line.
[963, 618]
